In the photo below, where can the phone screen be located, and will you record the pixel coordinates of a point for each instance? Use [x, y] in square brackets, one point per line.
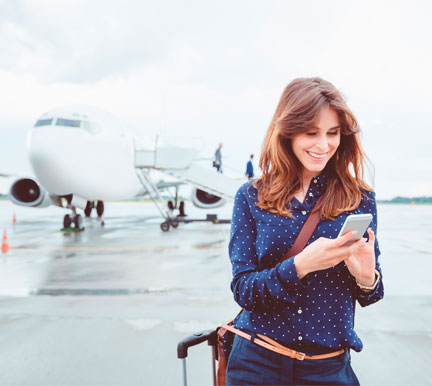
[357, 222]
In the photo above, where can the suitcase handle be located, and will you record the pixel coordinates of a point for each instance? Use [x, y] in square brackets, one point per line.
[196, 338]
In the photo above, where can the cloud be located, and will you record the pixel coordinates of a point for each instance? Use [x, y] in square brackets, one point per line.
[216, 70]
[81, 41]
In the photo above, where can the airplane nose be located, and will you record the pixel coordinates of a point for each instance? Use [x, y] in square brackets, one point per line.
[49, 156]
[41, 146]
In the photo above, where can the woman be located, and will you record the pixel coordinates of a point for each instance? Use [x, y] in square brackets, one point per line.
[307, 302]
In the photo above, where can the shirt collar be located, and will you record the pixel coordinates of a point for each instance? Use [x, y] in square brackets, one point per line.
[319, 183]
[316, 188]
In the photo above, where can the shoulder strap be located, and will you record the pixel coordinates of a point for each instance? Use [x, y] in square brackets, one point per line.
[305, 232]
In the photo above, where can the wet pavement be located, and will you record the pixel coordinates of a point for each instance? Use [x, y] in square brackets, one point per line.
[107, 306]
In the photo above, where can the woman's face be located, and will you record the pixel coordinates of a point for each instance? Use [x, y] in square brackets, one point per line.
[315, 147]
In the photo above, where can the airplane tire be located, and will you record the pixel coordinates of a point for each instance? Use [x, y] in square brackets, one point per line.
[182, 209]
[165, 226]
[67, 222]
[100, 208]
[78, 221]
[88, 209]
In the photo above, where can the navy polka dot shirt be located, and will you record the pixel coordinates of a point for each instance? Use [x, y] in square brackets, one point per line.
[315, 314]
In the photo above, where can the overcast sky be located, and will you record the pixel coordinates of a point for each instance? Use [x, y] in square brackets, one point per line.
[216, 69]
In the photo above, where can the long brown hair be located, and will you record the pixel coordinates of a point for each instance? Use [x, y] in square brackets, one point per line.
[296, 113]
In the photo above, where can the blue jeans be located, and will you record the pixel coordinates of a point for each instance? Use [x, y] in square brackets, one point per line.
[250, 364]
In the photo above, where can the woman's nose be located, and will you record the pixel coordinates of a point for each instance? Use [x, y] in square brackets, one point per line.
[322, 142]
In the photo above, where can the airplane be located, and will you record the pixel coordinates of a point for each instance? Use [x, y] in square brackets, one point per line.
[82, 156]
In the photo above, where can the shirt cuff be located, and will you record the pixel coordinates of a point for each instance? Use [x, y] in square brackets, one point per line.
[368, 295]
[288, 274]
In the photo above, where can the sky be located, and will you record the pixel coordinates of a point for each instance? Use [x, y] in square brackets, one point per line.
[215, 71]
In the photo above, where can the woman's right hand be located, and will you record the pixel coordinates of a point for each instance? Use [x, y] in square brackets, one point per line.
[324, 253]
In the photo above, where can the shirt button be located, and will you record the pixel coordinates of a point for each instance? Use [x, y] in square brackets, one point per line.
[310, 194]
[315, 181]
[299, 311]
[304, 213]
[300, 338]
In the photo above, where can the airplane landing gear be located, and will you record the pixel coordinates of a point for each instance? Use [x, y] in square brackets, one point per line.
[181, 209]
[173, 221]
[67, 222]
[78, 221]
[88, 209]
[100, 208]
[73, 222]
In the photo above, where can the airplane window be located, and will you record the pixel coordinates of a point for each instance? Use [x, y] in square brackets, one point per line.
[92, 127]
[68, 122]
[43, 122]
[86, 125]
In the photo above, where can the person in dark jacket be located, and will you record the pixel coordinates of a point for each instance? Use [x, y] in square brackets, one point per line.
[307, 302]
[250, 168]
[217, 161]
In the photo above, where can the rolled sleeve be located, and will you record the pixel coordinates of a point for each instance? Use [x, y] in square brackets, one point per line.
[365, 298]
[253, 286]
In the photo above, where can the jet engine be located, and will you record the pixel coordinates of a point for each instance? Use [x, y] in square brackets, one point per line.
[28, 192]
[202, 199]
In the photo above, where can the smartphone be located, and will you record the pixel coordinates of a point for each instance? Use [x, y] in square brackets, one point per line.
[357, 222]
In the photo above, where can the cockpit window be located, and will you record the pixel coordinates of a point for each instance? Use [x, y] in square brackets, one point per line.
[86, 125]
[43, 122]
[91, 127]
[68, 122]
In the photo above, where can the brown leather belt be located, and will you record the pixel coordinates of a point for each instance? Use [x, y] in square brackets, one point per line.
[270, 344]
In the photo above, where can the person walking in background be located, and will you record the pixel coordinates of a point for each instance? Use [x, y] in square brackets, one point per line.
[249, 168]
[304, 305]
[217, 162]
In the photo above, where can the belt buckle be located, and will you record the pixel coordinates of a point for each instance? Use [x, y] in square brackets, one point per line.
[300, 355]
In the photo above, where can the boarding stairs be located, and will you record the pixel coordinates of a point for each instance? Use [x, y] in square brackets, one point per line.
[179, 162]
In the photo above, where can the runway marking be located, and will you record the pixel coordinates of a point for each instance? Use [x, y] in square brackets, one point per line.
[116, 249]
[208, 248]
[35, 240]
[98, 248]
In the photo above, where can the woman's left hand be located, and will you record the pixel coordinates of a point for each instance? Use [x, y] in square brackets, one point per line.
[361, 263]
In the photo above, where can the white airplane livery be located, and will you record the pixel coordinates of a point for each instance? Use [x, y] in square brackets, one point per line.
[82, 156]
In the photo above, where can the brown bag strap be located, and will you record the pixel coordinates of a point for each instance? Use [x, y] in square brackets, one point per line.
[305, 232]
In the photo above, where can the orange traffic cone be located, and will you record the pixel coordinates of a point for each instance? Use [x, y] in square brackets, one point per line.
[5, 245]
[14, 218]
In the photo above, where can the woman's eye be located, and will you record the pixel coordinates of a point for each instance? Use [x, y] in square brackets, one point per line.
[333, 133]
[310, 134]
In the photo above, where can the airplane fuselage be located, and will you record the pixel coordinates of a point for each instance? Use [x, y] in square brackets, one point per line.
[94, 164]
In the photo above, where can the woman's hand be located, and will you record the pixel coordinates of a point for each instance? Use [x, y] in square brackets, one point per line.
[324, 253]
[361, 263]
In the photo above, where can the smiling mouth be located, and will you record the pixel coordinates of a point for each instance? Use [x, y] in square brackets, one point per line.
[317, 156]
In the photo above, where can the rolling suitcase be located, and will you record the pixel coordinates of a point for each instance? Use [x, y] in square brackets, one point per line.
[209, 336]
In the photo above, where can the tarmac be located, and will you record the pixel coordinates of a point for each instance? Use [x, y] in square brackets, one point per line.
[107, 306]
